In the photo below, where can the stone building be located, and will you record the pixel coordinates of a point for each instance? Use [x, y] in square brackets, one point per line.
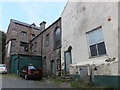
[48, 45]
[19, 34]
[90, 42]
[25, 40]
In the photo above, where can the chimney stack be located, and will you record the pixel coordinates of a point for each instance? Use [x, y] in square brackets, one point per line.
[42, 25]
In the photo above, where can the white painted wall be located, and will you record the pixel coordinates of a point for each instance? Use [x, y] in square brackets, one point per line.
[81, 17]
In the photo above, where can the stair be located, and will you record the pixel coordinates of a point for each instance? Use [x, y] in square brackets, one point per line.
[66, 77]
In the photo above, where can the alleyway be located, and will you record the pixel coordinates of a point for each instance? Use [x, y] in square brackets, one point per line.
[18, 82]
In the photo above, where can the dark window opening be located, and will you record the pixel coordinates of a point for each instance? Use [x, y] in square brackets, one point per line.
[35, 47]
[47, 40]
[31, 46]
[33, 35]
[58, 64]
[93, 50]
[98, 49]
[24, 45]
[57, 40]
[23, 33]
[101, 48]
[44, 62]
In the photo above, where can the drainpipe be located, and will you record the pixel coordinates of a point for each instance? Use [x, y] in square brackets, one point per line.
[18, 65]
[60, 62]
[91, 75]
[41, 50]
[60, 46]
[10, 58]
[29, 43]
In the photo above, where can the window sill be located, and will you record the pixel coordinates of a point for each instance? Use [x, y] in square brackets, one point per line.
[98, 56]
[46, 45]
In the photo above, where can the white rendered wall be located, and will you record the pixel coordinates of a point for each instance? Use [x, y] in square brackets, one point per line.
[81, 17]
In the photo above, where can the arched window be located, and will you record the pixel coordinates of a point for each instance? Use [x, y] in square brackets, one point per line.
[57, 39]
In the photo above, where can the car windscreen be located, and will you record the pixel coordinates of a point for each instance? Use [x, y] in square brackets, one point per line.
[2, 65]
[31, 67]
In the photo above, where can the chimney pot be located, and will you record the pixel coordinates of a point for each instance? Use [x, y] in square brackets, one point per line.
[42, 25]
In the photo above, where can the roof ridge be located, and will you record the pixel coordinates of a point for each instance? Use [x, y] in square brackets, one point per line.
[23, 23]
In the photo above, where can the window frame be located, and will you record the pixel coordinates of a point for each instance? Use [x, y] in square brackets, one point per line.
[24, 45]
[96, 44]
[58, 64]
[23, 33]
[97, 50]
[47, 40]
[32, 47]
[57, 46]
[35, 47]
[44, 62]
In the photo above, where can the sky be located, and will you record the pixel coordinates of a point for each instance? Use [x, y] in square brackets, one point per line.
[30, 12]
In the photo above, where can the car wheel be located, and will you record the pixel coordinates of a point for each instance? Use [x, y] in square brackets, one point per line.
[19, 74]
[26, 77]
[40, 78]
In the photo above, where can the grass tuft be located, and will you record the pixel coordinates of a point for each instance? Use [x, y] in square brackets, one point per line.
[11, 75]
[77, 83]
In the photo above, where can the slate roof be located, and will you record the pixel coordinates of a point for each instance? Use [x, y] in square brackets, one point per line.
[25, 24]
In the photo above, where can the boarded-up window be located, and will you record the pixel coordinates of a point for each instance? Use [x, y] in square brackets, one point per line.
[96, 42]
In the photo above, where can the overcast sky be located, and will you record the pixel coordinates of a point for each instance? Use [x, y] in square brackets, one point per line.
[30, 12]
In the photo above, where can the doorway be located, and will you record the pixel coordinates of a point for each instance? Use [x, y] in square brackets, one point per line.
[68, 61]
[52, 67]
[84, 74]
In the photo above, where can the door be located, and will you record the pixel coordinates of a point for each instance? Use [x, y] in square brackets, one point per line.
[52, 67]
[44, 64]
[68, 61]
[84, 74]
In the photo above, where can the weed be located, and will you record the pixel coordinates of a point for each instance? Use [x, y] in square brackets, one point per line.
[12, 75]
[77, 83]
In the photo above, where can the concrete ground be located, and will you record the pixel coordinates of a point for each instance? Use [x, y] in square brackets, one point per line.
[9, 81]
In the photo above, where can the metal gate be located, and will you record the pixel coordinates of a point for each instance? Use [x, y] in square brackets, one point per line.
[19, 61]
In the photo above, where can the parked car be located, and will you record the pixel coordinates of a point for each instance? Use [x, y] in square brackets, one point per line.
[31, 71]
[3, 69]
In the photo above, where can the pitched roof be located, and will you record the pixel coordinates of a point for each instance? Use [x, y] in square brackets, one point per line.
[46, 28]
[24, 24]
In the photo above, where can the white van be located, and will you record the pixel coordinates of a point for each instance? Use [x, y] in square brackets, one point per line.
[3, 68]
